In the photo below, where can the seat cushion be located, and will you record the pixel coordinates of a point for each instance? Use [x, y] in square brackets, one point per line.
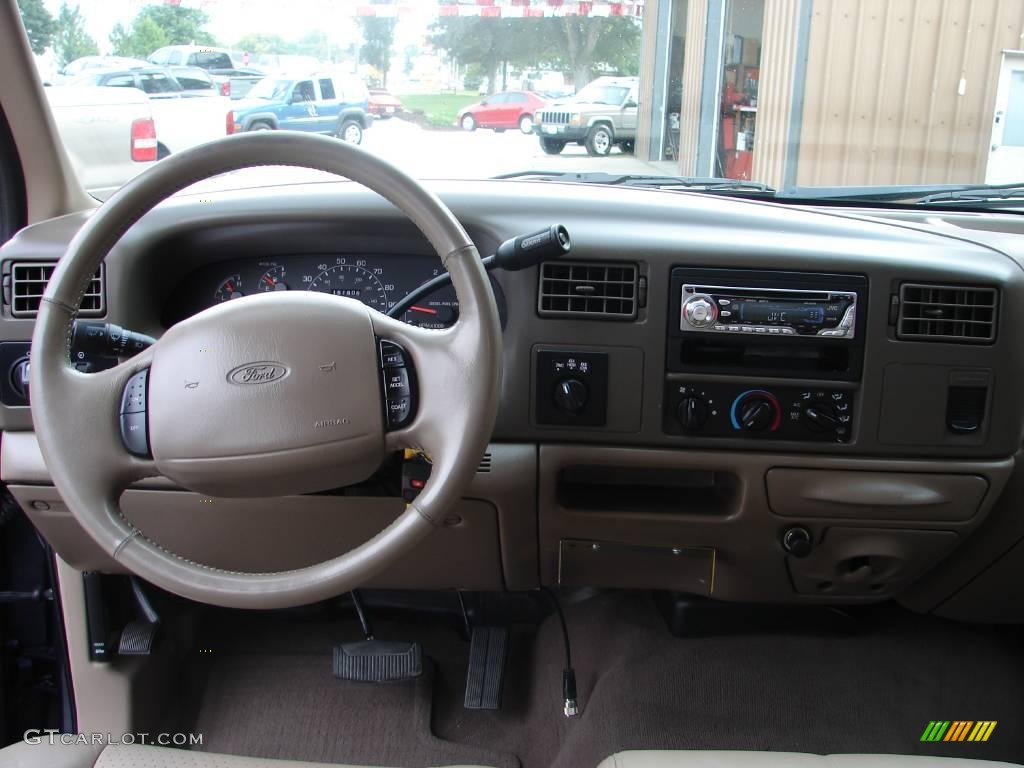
[725, 759]
[57, 755]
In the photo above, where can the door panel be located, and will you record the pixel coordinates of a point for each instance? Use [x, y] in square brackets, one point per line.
[1006, 153]
[300, 115]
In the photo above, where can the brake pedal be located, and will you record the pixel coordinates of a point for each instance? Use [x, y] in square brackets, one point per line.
[488, 650]
[377, 661]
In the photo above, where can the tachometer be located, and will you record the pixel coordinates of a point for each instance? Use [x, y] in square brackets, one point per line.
[436, 311]
[354, 282]
[273, 280]
[229, 289]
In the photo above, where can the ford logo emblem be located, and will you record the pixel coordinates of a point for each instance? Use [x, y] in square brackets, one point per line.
[257, 373]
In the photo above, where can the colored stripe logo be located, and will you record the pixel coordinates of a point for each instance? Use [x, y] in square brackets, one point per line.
[958, 730]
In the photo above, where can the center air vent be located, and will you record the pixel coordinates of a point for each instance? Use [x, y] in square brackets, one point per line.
[947, 313]
[588, 289]
[29, 279]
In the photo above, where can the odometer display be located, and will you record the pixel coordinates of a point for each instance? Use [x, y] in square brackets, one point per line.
[351, 281]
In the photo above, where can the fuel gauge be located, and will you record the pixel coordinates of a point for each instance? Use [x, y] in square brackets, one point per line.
[273, 280]
[229, 289]
[436, 312]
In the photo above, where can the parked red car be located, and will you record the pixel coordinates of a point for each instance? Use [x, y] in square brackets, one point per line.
[508, 109]
[383, 104]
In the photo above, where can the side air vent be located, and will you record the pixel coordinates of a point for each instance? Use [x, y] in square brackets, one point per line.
[29, 279]
[485, 464]
[602, 291]
[947, 313]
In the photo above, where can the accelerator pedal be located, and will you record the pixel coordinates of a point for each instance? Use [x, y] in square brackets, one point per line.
[488, 650]
[377, 661]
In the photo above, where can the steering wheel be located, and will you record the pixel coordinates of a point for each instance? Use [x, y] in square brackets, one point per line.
[309, 364]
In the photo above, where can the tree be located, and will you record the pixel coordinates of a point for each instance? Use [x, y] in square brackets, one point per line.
[180, 25]
[71, 41]
[259, 42]
[378, 37]
[409, 63]
[142, 39]
[579, 44]
[612, 43]
[39, 24]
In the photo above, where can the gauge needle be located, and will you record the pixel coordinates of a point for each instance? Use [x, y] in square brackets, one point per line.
[424, 310]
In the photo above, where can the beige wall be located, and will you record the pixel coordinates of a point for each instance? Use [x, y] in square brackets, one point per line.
[775, 90]
[882, 103]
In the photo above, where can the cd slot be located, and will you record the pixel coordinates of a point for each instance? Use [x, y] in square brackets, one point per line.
[745, 356]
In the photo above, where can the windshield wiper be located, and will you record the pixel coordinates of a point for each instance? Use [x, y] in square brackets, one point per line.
[982, 193]
[704, 184]
[909, 194]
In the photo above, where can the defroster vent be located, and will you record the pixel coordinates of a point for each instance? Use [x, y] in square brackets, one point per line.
[947, 313]
[29, 279]
[602, 291]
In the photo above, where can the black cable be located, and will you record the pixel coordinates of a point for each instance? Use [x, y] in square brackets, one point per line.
[571, 703]
[361, 613]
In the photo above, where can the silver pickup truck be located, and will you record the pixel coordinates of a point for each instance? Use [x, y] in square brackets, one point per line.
[108, 133]
[600, 116]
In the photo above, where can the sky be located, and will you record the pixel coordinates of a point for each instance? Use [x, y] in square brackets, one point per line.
[231, 20]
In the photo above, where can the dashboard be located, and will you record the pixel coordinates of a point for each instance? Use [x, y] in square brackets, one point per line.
[740, 400]
[378, 280]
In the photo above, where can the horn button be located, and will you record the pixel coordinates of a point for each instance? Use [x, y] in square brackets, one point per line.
[270, 395]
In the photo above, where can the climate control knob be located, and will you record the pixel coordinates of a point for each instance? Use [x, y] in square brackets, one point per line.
[571, 395]
[756, 411]
[692, 413]
[700, 311]
[821, 417]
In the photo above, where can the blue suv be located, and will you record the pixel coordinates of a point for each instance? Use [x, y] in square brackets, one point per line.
[324, 103]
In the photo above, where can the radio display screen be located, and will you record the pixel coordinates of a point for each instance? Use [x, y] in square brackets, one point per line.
[781, 313]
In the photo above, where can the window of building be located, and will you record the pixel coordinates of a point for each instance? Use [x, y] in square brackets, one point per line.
[741, 71]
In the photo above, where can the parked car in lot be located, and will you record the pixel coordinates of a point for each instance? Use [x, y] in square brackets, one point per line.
[109, 134]
[319, 103]
[382, 104]
[85, 63]
[184, 116]
[599, 117]
[508, 109]
[158, 82]
[234, 82]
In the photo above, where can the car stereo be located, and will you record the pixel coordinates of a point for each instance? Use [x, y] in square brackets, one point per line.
[744, 322]
[828, 314]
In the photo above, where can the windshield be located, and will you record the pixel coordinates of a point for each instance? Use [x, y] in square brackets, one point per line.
[918, 103]
[272, 89]
[602, 94]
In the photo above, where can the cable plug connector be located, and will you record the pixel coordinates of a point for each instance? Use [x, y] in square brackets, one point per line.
[571, 708]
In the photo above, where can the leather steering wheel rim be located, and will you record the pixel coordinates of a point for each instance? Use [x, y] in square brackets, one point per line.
[76, 414]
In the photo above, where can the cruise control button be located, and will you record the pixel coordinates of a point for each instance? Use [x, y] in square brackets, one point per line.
[396, 383]
[398, 411]
[134, 398]
[133, 433]
[391, 355]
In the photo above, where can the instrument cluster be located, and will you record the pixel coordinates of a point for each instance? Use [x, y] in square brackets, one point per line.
[379, 281]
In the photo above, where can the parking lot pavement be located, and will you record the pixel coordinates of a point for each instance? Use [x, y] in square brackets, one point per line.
[439, 154]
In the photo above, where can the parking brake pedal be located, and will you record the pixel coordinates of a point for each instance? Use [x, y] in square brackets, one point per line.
[488, 650]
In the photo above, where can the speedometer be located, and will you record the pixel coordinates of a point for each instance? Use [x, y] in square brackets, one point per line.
[353, 282]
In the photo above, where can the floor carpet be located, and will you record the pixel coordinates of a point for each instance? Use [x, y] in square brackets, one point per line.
[272, 694]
